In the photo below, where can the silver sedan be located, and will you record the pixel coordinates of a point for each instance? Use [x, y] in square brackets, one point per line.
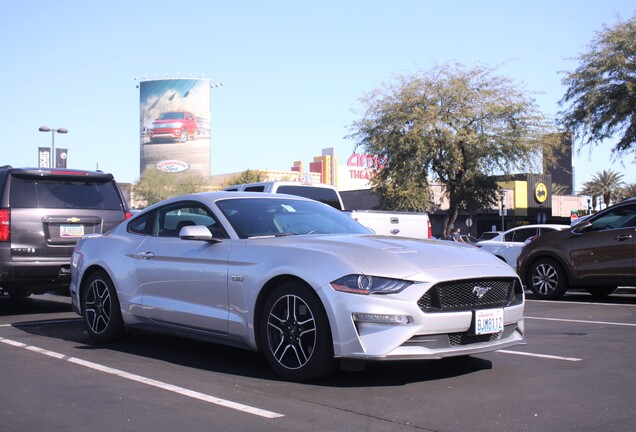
[296, 279]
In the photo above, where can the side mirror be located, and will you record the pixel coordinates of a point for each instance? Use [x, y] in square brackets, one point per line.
[197, 232]
[582, 227]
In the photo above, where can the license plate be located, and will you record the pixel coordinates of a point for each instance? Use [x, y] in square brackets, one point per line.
[489, 321]
[71, 230]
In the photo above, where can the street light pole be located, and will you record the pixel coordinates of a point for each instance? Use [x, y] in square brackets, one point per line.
[52, 158]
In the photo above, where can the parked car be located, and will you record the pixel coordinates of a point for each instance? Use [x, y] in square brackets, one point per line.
[596, 254]
[467, 238]
[43, 212]
[507, 245]
[488, 235]
[324, 193]
[298, 280]
[174, 126]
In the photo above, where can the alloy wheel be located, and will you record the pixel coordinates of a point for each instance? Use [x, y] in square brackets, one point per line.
[545, 279]
[291, 331]
[98, 306]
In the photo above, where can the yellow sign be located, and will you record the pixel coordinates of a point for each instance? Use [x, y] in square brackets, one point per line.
[540, 193]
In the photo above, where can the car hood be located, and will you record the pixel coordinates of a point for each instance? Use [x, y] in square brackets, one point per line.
[399, 256]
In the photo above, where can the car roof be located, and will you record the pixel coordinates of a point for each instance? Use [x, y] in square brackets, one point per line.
[555, 226]
[55, 172]
[217, 195]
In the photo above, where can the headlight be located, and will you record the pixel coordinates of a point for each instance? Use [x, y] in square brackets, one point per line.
[363, 284]
[75, 258]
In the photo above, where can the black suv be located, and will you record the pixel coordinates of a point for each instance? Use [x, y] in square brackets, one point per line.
[43, 212]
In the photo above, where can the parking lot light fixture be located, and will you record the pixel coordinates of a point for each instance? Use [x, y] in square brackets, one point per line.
[52, 158]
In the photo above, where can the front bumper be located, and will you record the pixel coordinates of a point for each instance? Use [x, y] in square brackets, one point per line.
[425, 336]
[166, 134]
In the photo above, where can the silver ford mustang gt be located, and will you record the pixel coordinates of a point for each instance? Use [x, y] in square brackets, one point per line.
[296, 279]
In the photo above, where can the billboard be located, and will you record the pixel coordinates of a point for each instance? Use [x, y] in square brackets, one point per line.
[175, 125]
[44, 157]
[61, 155]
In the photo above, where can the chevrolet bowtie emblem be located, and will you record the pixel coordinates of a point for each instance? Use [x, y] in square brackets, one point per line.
[73, 219]
[480, 291]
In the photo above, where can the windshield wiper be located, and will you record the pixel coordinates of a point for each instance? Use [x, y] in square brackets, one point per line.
[284, 234]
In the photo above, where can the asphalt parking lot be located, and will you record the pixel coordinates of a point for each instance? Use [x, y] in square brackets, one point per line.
[575, 373]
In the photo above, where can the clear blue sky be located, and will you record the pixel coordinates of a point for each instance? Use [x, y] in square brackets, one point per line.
[293, 71]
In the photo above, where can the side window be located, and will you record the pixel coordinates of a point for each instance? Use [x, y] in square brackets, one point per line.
[142, 225]
[254, 189]
[619, 217]
[171, 219]
[520, 235]
[629, 217]
[524, 234]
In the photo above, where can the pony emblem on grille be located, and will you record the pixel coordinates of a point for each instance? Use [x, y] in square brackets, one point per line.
[480, 291]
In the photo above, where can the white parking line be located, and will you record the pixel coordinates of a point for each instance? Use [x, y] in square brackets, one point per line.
[138, 378]
[582, 321]
[579, 303]
[546, 356]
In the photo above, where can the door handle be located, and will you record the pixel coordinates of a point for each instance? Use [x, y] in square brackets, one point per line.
[623, 237]
[145, 255]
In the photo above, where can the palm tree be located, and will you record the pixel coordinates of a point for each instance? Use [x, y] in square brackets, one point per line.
[559, 189]
[605, 184]
[628, 191]
[589, 189]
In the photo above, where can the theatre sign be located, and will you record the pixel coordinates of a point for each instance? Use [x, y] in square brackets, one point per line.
[363, 166]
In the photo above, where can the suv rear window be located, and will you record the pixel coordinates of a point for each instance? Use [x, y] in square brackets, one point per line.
[42, 193]
[324, 195]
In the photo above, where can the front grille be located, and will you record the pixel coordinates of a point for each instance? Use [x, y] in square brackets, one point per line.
[457, 339]
[462, 295]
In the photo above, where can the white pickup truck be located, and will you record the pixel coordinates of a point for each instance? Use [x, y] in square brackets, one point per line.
[403, 224]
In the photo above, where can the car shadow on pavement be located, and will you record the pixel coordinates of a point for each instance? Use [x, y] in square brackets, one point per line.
[60, 324]
[34, 305]
[223, 359]
[397, 373]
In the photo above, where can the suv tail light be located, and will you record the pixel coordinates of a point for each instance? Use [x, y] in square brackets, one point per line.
[430, 229]
[5, 225]
[127, 215]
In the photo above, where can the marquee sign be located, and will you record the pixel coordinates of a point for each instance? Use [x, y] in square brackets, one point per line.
[363, 166]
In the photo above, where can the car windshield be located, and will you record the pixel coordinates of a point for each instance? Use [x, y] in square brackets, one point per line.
[171, 116]
[265, 217]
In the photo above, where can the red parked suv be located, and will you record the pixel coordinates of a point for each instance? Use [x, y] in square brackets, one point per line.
[174, 126]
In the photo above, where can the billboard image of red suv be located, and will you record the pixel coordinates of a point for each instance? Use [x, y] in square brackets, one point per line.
[179, 126]
[175, 125]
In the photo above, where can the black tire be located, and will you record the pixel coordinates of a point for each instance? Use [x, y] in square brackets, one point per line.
[100, 308]
[547, 280]
[18, 292]
[295, 334]
[601, 292]
[184, 136]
